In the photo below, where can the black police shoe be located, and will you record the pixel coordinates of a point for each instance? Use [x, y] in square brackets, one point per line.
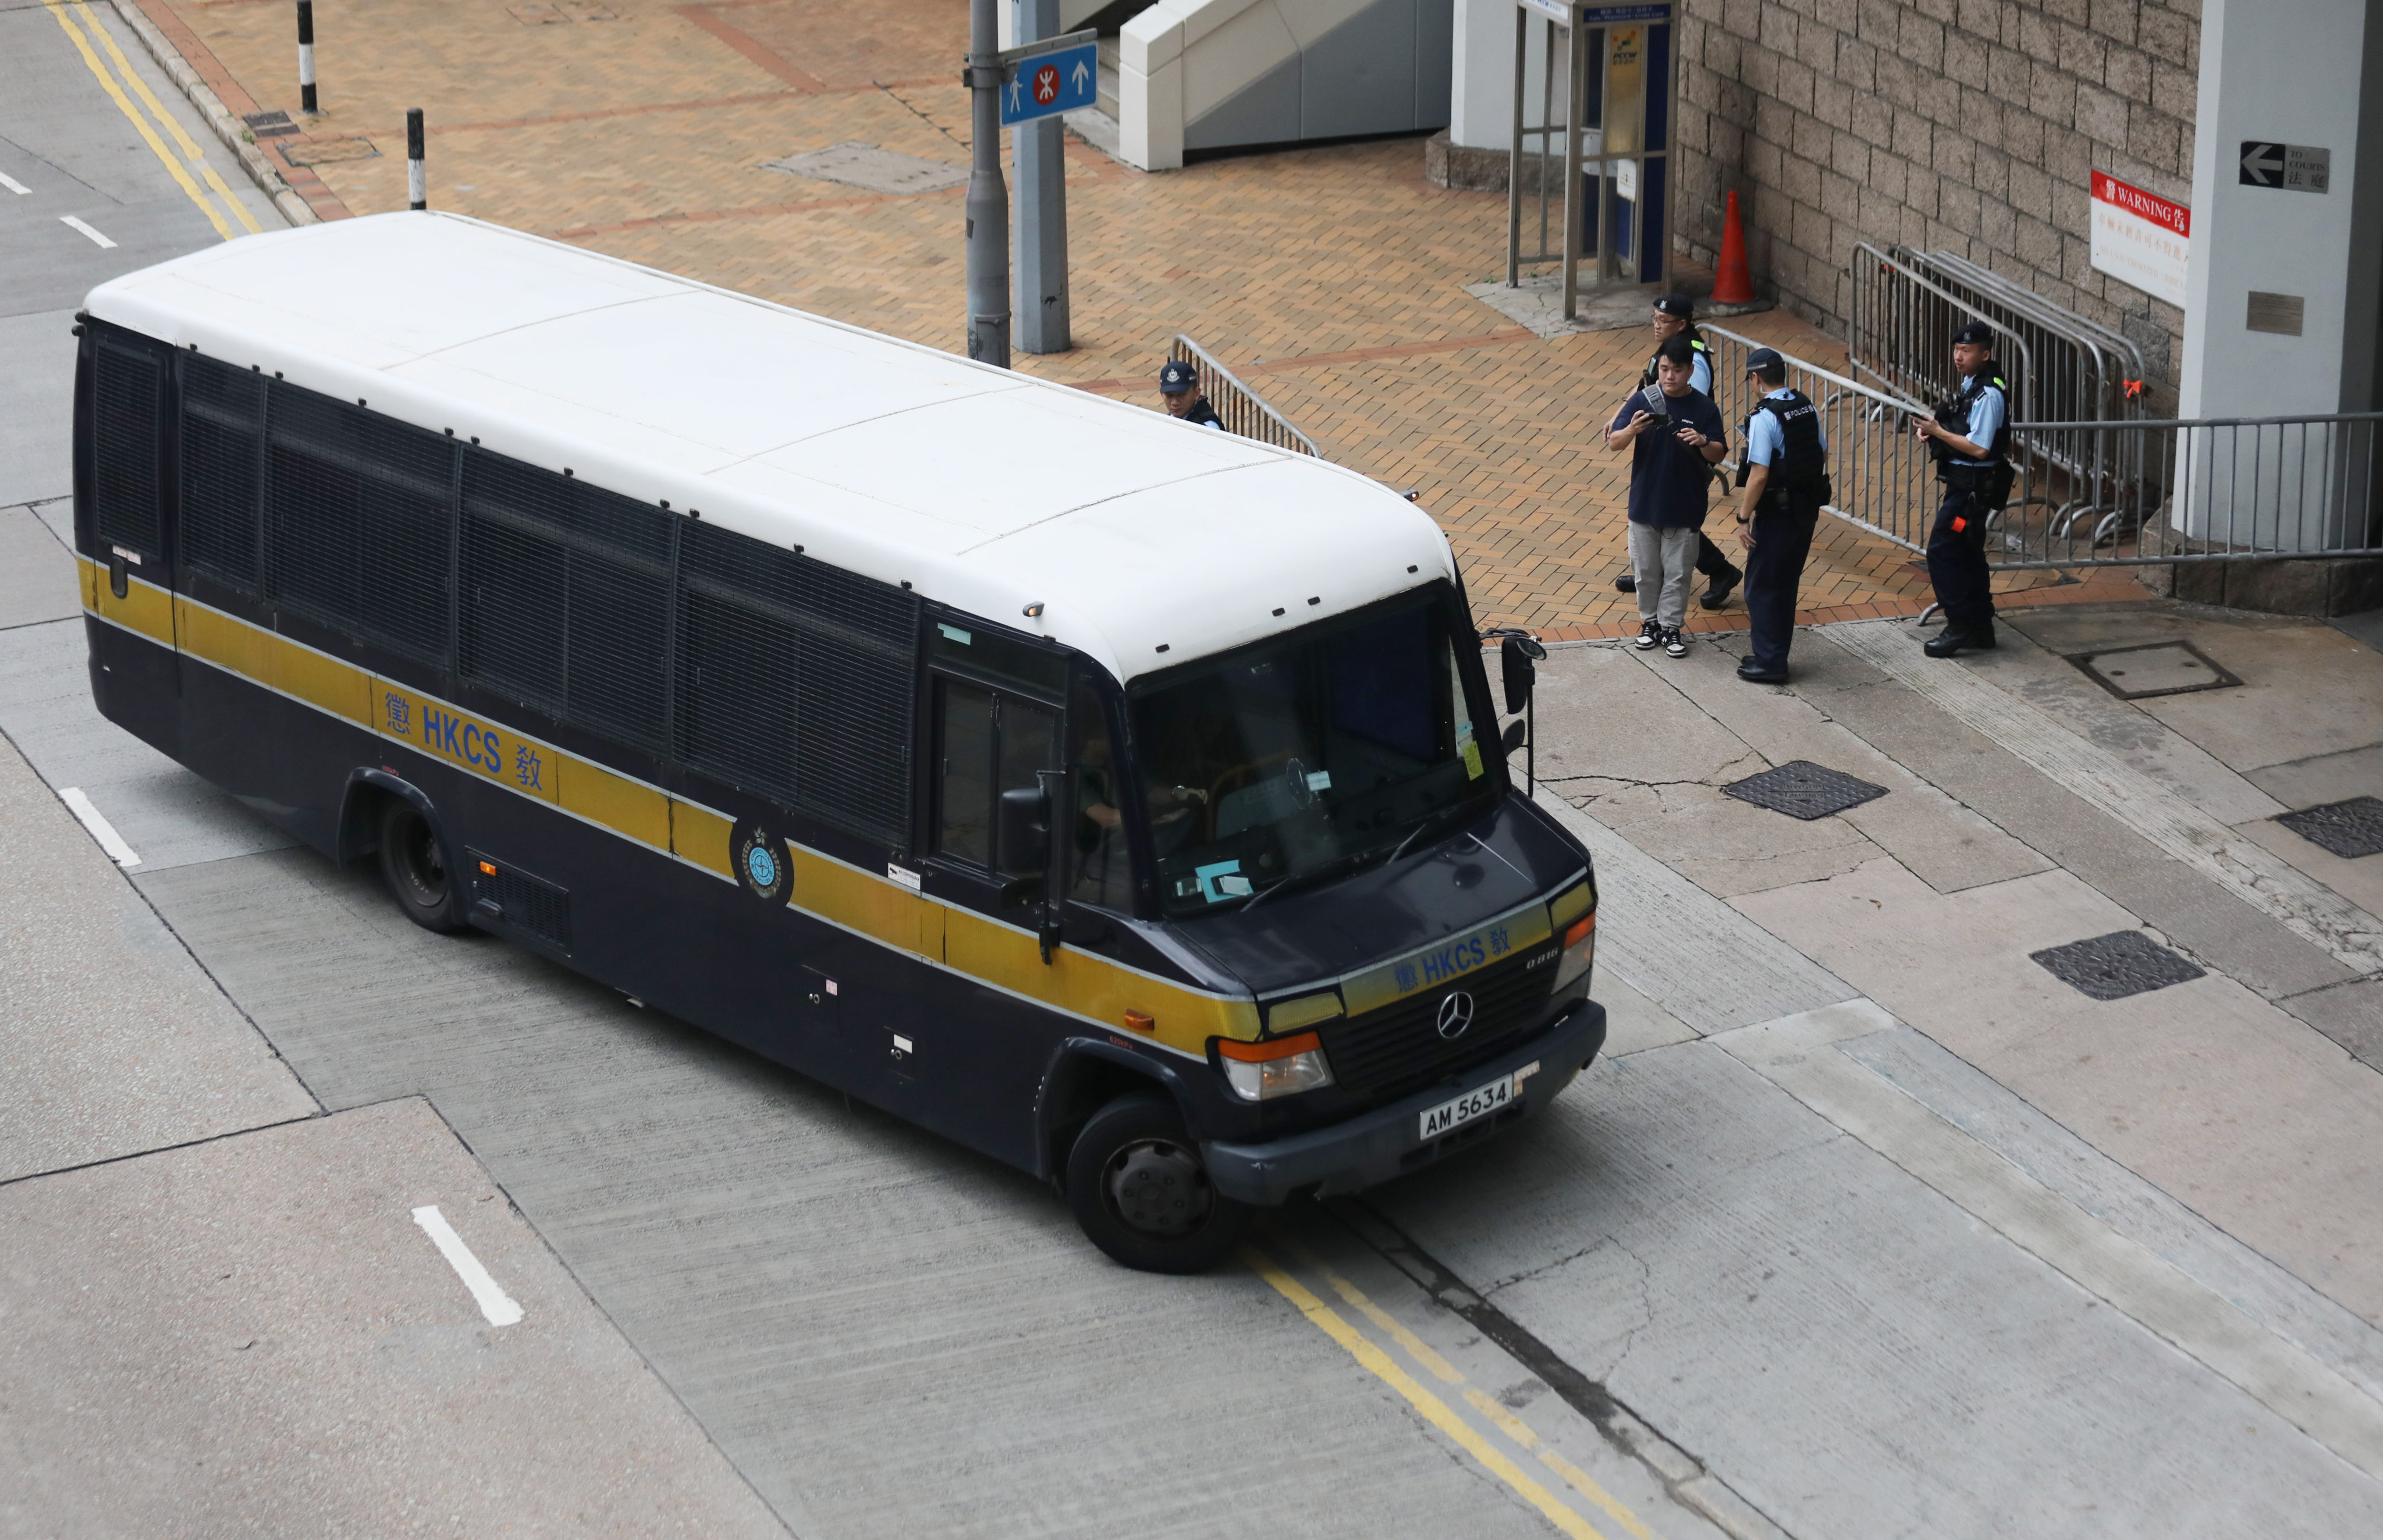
[1722, 587]
[1956, 641]
[1757, 673]
[1626, 584]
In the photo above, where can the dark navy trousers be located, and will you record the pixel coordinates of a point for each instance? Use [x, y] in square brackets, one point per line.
[1710, 559]
[1957, 561]
[1774, 567]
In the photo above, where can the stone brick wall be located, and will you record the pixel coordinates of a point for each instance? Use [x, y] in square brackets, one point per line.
[1966, 125]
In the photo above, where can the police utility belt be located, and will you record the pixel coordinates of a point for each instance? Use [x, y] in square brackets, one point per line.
[1802, 474]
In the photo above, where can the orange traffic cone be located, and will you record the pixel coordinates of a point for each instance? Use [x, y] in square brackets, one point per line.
[1733, 285]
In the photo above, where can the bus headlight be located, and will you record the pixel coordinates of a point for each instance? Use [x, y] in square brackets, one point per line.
[1579, 949]
[1281, 1066]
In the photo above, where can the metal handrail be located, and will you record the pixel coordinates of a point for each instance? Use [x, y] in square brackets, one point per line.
[1241, 409]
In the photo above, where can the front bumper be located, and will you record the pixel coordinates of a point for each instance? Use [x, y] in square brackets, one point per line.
[1376, 1146]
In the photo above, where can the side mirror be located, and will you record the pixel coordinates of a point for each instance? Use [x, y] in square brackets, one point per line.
[1023, 832]
[1516, 655]
[1514, 735]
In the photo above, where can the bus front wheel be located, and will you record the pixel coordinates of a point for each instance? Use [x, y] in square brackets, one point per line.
[415, 867]
[1141, 1193]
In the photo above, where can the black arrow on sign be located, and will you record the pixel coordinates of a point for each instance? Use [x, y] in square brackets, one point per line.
[2263, 164]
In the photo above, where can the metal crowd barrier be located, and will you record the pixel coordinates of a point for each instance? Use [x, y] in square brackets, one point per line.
[1905, 306]
[1242, 410]
[2132, 493]
[2097, 494]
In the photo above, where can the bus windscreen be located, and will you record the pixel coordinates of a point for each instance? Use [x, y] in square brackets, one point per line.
[1312, 751]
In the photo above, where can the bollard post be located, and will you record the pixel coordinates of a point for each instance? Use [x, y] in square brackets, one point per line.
[415, 181]
[306, 55]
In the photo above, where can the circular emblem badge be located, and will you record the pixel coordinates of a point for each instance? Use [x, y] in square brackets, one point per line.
[1455, 1015]
[761, 860]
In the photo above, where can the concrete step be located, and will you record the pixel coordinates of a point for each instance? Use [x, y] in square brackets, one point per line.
[1108, 101]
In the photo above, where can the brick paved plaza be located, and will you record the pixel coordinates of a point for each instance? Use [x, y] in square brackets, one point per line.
[1331, 278]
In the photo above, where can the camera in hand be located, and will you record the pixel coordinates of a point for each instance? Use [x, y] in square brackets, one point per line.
[1651, 402]
[1953, 416]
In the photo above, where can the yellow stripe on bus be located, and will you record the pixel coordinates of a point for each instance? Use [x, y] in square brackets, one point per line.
[1005, 955]
[641, 813]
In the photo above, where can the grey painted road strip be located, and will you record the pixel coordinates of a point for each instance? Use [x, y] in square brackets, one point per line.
[2311, 911]
[1800, 1055]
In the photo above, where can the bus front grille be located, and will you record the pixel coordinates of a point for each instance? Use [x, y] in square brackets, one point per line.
[1398, 1048]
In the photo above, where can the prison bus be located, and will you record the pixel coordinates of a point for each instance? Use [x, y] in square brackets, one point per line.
[1116, 797]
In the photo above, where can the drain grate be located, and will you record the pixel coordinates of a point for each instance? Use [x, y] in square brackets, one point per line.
[2115, 966]
[2153, 669]
[2348, 828]
[857, 164]
[266, 125]
[1803, 790]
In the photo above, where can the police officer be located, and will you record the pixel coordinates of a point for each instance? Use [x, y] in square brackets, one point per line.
[1785, 474]
[1179, 388]
[1970, 436]
[1676, 315]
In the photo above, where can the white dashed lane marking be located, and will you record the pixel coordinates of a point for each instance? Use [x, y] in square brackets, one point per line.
[96, 821]
[494, 1302]
[70, 222]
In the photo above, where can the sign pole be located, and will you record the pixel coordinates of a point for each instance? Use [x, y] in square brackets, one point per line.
[988, 195]
[1042, 326]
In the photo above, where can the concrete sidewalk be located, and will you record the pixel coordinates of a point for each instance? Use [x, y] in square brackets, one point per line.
[1333, 279]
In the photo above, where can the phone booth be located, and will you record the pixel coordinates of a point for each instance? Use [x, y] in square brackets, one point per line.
[1608, 76]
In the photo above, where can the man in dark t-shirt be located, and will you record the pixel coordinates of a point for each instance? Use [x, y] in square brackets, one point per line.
[1675, 434]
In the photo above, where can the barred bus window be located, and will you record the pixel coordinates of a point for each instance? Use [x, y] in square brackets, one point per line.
[223, 421]
[125, 452]
[357, 507]
[513, 571]
[795, 680]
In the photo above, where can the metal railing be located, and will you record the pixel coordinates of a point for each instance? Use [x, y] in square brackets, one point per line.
[1905, 306]
[2134, 493]
[1241, 409]
[2097, 494]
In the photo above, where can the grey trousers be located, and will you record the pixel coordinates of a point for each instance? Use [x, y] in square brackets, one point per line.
[1665, 561]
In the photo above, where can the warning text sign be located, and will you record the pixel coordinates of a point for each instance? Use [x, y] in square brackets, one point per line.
[2141, 238]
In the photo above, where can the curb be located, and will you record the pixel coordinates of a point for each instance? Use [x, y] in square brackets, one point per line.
[220, 121]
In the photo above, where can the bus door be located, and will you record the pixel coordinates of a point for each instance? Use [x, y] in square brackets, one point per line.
[126, 467]
[996, 703]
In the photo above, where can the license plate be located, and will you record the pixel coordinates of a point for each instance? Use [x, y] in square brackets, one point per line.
[1475, 1103]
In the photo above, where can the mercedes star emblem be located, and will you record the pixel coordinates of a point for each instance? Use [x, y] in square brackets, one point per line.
[1455, 1015]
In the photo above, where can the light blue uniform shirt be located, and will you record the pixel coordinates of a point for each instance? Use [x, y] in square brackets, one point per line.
[1985, 421]
[1764, 441]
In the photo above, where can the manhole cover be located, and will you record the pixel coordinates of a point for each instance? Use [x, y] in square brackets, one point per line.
[1803, 790]
[2115, 966]
[266, 125]
[2155, 669]
[855, 163]
[2350, 829]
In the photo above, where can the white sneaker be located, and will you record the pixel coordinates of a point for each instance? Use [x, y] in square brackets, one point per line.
[1675, 644]
[1649, 634]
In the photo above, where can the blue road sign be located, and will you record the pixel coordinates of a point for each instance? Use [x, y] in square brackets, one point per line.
[1044, 84]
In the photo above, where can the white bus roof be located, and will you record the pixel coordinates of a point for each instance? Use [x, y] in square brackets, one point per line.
[984, 490]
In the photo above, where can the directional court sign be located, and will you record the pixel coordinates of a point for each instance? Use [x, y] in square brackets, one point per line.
[1042, 85]
[2299, 167]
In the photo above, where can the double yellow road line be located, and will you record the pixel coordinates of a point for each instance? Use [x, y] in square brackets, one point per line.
[1436, 1410]
[82, 27]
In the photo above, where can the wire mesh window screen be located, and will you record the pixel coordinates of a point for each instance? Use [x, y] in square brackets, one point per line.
[566, 598]
[125, 448]
[514, 578]
[619, 603]
[357, 510]
[223, 426]
[796, 680]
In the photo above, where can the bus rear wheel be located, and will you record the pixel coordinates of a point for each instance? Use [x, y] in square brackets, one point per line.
[1139, 1190]
[415, 864]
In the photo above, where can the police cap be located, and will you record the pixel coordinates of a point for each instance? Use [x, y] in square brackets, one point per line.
[1977, 332]
[1676, 304]
[1178, 378]
[1767, 363]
